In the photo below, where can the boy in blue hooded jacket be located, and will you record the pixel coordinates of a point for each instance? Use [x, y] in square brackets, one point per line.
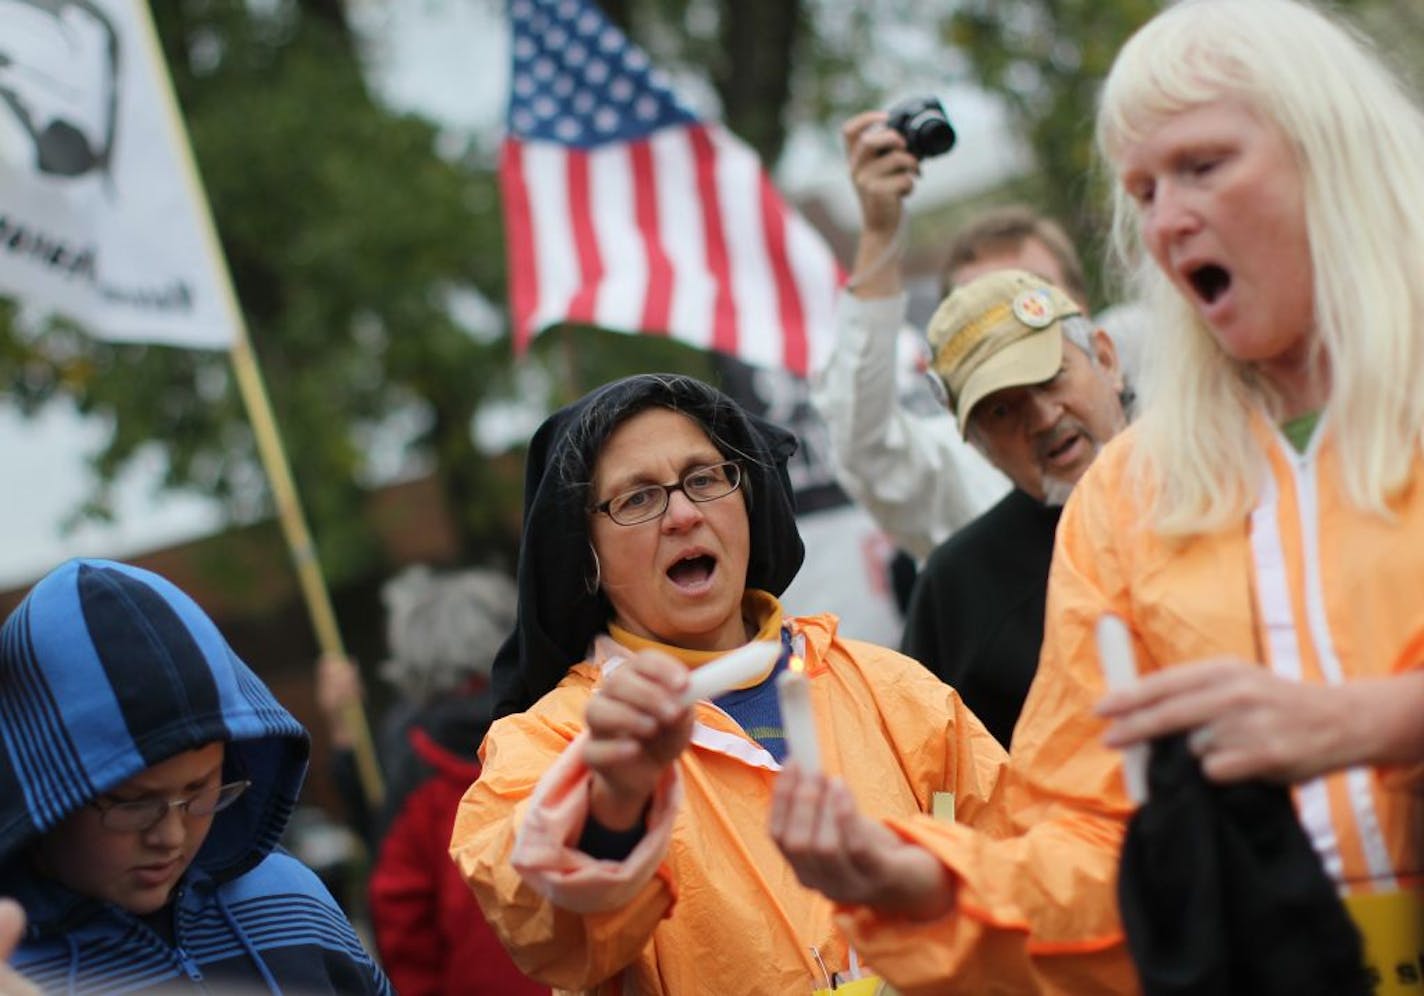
[145, 780]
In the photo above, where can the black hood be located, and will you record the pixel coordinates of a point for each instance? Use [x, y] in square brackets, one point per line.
[557, 617]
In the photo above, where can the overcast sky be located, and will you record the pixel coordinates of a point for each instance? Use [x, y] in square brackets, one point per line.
[445, 59]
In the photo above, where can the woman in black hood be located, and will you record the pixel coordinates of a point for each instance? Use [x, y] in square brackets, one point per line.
[560, 611]
[617, 835]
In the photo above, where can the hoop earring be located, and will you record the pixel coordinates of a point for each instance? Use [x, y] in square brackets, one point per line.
[591, 585]
[1128, 399]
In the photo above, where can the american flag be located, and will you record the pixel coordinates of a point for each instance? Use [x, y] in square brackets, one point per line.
[625, 211]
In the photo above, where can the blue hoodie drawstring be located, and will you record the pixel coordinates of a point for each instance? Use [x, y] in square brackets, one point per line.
[72, 977]
[247, 945]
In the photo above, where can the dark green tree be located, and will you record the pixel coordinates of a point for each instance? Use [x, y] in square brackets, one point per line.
[747, 51]
[346, 235]
[1047, 58]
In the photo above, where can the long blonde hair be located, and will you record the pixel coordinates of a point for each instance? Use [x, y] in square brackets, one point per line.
[1359, 141]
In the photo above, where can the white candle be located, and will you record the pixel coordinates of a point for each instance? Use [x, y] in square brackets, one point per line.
[731, 670]
[793, 691]
[1120, 671]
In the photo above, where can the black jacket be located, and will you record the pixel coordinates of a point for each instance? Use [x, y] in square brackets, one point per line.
[1222, 893]
[976, 615]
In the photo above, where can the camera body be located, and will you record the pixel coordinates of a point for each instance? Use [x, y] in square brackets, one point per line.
[924, 126]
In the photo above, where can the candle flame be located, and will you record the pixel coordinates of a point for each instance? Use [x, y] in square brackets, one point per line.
[796, 664]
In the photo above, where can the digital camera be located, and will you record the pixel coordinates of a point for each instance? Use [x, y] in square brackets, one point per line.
[924, 125]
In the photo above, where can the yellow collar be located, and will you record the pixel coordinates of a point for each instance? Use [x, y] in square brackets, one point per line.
[758, 608]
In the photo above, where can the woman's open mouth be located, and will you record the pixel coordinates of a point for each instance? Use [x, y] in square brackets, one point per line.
[1210, 282]
[693, 572]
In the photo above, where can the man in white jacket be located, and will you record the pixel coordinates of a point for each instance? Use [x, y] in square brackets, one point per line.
[913, 472]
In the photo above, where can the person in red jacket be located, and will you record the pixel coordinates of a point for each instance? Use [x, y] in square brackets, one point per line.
[442, 631]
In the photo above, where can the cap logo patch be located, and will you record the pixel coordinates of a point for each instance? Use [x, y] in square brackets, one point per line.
[1034, 308]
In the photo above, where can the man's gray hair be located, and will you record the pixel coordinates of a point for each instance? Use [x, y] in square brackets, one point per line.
[441, 629]
[1079, 331]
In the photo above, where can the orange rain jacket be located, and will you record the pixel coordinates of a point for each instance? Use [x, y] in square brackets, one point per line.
[1309, 585]
[714, 908]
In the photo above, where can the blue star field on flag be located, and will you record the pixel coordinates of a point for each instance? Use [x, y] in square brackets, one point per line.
[578, 81]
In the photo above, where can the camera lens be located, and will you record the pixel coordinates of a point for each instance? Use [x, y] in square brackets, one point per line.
[923, 123]
[933, 135]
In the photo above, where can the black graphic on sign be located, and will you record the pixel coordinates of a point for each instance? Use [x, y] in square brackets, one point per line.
[59, 66]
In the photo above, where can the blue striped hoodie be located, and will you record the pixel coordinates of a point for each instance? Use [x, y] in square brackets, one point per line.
[106, 670]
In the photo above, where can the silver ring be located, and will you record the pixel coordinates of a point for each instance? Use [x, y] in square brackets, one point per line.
[1200, 740]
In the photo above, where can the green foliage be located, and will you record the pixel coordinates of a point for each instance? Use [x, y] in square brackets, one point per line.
[345, 234]
[776, 64]
[1398, 28]
[1047, 58]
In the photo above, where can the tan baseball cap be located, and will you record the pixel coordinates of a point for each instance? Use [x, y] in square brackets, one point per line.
[1001, 330]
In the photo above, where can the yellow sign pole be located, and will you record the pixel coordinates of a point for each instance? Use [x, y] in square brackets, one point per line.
[269, 443]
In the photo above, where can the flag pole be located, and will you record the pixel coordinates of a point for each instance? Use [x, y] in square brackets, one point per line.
[303, 550]
[264, 428]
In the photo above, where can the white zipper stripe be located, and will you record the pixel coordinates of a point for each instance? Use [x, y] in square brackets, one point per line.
[1357, 779]
[1273, 596]
[718, 741]
[721, 742]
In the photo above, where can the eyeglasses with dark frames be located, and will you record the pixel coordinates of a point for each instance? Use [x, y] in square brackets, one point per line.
[145, 814]
[648, 502]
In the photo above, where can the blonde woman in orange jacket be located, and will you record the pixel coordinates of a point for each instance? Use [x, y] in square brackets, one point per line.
[1260, 528]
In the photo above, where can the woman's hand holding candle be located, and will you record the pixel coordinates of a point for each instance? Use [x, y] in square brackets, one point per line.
[637, 726]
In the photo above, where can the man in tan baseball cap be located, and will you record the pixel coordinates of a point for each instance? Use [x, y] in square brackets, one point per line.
[1039, 410]
[1037, 389]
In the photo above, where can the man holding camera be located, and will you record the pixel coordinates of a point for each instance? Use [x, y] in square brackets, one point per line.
[976, 617]
[912, 471]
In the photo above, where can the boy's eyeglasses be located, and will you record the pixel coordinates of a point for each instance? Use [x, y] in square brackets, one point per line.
[651, 500]
[145, 814]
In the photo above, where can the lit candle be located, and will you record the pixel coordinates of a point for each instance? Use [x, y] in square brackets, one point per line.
[1120, 671]
[731, 671]
[793, 691]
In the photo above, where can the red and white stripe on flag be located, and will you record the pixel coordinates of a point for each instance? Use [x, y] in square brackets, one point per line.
[680, 233]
